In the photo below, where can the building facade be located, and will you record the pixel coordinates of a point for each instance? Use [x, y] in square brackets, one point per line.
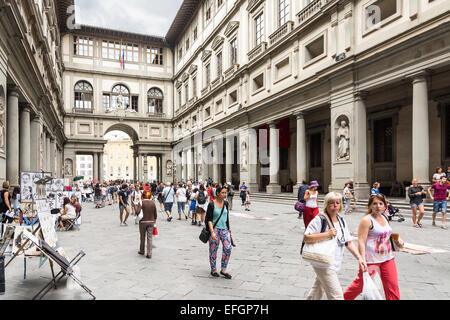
[270, 92]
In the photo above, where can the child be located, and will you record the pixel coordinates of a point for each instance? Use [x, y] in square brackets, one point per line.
[192, 207]
[247, 201]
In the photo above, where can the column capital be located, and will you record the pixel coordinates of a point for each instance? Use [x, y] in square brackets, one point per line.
[26, 107]
[299, 115]
[361, 95]
[273, 124]
[419, 76]
[13, 91]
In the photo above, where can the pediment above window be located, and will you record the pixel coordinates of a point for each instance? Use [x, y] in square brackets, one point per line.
[231, 27]
[206, 55]
[218, 41]
[192, 69]
[254, 4]
[185, 77]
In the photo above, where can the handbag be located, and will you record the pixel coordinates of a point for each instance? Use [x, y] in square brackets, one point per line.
[300, 206]
[206, 234]
[321, 253]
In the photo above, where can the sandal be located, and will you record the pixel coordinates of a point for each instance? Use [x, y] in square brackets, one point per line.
[420, 225]
[416, 226]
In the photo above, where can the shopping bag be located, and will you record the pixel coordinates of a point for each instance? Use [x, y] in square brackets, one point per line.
[155, 231]
[370, 291]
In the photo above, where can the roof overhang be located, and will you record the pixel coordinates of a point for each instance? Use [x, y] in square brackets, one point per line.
[184, 15]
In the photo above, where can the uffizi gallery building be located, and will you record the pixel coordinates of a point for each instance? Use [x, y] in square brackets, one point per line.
[337, 89]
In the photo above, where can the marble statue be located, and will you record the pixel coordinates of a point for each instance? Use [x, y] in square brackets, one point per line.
[68, 168]
[120, 105]
[169, 167]
[343, 137]
[244, 161]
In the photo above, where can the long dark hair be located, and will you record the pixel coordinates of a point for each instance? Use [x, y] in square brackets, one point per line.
[15, 192]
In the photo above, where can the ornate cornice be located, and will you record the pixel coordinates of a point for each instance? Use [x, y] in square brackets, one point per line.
[233, 25]
[206, 55]
[253, 4]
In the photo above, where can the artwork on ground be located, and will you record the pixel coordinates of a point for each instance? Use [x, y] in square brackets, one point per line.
[6, 238]
[47, 222]
[19, 239]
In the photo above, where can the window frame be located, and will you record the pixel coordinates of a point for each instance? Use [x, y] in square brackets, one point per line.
[76, 43]
[152, 56]
[258, 39]
[398, 14]
[83, 93]
[157, 99]
[287, 7]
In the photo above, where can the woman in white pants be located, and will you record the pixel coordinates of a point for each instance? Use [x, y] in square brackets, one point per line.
[326, 277]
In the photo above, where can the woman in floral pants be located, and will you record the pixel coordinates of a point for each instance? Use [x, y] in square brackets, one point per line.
[218, 222]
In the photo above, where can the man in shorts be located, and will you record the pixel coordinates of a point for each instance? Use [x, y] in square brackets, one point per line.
[440, 198]
[169, 198]
[123, 204]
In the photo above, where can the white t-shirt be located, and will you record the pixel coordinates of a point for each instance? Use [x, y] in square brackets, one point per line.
[168, 194]
[181, 193]
[137, 197]
[316, 226]
[104, 191]
[437, 176]
[205, 205]
[71, 213]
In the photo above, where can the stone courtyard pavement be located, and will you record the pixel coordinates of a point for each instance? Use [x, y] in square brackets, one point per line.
[265, 264]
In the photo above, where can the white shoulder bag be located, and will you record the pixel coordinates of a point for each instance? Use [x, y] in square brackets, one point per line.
[321, 253]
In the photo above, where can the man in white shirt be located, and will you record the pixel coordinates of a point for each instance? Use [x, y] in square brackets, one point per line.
[168, 198]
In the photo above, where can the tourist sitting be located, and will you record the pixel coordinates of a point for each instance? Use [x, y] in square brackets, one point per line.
[68, 213]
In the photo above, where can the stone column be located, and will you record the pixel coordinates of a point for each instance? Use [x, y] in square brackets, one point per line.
[48, 153]
[216, 162]
[35, 137]
[252, 155]
[12, 147]
[274, 186]
[141, 168]
[95, 165]
[361, 185]
[25, 137]
[420, 131]
[184, 165]
[301, 151]
[52, 156]
[229, 157]
[191, 171]
[101, 175]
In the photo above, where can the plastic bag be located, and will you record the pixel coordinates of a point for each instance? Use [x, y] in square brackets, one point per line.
[370, 291]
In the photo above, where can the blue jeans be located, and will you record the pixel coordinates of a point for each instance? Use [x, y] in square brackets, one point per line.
[440, 206]
[181, 207]
[347, 205]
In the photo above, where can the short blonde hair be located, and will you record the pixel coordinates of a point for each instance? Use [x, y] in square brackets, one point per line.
[333, 196]
[6, 185]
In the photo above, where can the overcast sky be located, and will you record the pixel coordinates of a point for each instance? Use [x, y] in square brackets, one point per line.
[151, 17]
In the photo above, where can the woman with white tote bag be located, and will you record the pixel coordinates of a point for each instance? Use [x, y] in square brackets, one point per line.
[331, 230]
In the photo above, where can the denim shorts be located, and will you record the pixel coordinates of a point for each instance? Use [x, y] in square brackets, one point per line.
[168, 206]
[413, 205]
[121, 207]
[181, 207]
[440, 206]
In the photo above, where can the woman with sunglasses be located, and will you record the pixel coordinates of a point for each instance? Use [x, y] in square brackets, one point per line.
[375, 245]
[326, 277]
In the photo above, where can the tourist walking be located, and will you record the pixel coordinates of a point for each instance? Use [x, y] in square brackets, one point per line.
[440, 198]
[168, 199]
[160, 196]
[201, 197]
[218, 222]
[104, 194]
[98, 196]
[136, 200]
[181, 201]
[352, 189]
[416, 195]
[123, 204]
[438, 175]
[301, 197]
[375, 246]
[243, 192]
[312, 203]
[147, 224]
[375, 189]
[321, 228]
[230, 195]
[247, 201]
[193, 206]
[5, 204]
[348, 198]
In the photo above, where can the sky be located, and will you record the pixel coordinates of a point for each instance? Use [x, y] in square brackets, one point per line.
[150, 17]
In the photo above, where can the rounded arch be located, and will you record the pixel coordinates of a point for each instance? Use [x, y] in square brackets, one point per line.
[155, 99]
[84, 95]
[120, 88]
[83, 85]
[130, 131]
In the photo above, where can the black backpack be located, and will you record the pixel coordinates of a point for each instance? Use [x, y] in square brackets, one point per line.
[201, 197]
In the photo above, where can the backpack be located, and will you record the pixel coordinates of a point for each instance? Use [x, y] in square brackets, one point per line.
[201, 197]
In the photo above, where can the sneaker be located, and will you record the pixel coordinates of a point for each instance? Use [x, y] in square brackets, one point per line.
[444, 227]
[194, 223]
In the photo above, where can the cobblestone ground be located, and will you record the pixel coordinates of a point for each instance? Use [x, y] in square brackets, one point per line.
[265, 264]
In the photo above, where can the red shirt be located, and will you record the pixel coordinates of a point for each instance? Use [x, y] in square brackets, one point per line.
[210, 193]
[440, 191]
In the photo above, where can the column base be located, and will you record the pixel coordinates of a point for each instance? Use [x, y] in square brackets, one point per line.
[253, 187]
[273, 189]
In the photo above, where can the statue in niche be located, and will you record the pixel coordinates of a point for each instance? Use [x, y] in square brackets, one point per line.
[244, 161]
[169, 167]
[120, 105]
[2, 125]
[68, 167]
[343, 139]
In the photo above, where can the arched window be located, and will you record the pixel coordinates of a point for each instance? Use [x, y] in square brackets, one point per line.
[120, 90]
[155, 101]
[83, 96]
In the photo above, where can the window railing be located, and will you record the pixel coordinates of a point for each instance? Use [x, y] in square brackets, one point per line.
[156, 115]
[281, 32]
[257, 51]
[82, 110]
[310, 10]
